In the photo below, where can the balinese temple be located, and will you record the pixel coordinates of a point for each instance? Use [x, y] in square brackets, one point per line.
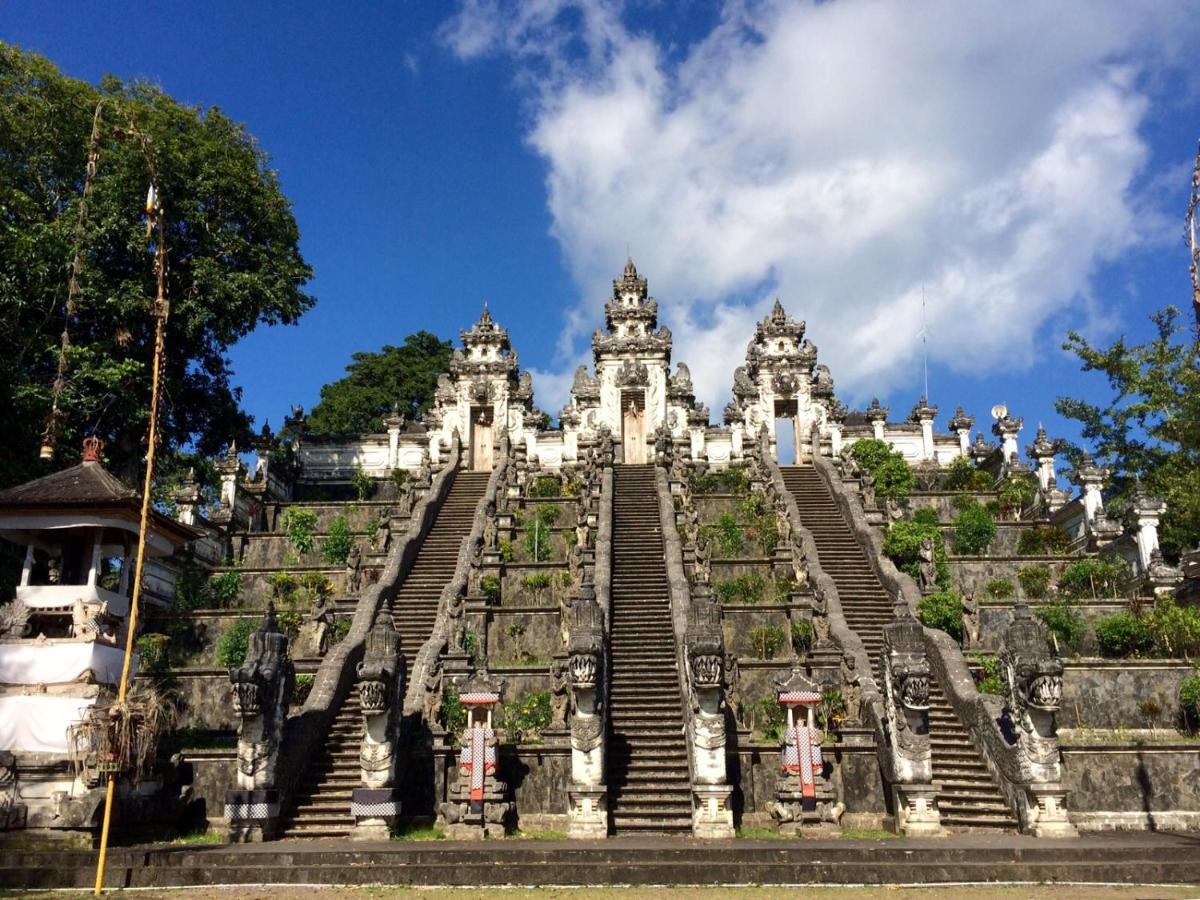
[62, 641]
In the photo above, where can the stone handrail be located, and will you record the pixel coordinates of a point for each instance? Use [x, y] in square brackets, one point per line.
[872, 705]
[427, 657]
[602, 566]
[979, 713]
[681, 598]
[308, 727]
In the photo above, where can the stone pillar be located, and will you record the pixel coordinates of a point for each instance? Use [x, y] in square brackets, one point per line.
[923, 414]
[1007, 428]
[394, 423]
[588, 807]
[375, 805]
[906, 702]
[1042, 451]
[961, 425]
[712, 816]
[877, 415]
[1090, 478]
[1147, 512]
[262, 690]
[187, 499]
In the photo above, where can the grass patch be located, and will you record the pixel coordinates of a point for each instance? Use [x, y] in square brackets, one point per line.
[759, 834]
[200, 837]
[868, 834]
[419, 833]
[548, 835]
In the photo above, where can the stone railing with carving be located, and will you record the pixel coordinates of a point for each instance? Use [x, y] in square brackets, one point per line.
[262, 690]
[982, 715]
[308, 728]
[375, 805]
[424, 677]
[701, 685]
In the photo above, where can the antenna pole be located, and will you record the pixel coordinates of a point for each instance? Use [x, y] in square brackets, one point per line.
[925, 342]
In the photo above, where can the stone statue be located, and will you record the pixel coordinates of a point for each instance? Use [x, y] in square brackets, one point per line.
[431, 707]
[87, 619]
[581, 526]
[383, 530]
[867, 485]
[783, 521]
[353, 570]
[318, 625]
[380, 682]
[702, 570]
[704, 646]
[733, 697]
[970, 621]
[560, 694]
[851, 691]
[455, 607]
[927, 566]
[491, 535]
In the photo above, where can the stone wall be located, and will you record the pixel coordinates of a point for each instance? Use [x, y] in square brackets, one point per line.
[1153, 786]
[1107, 693]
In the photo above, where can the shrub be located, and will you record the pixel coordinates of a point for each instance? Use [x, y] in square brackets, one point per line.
[760, 523]
[1123, 635]
[942, 610]
[528, 717]
[902, 545]
[191, 586]
[1092, 578]
[974, 530]
[770, 718]
[1016, 493]
[926, 516]
[547, 513]
[537, 540]
[988, 680]
[454, 715]
[1000, 588]
[743, 589]
[832, 710]
[1035, 581]
[470, 643]
[1043, 540]
[490, 585]
[152, 652]
[225, 589]
[767, 640]
[1176, 628]
[506, 551]
[727, 481]
[870, 453]
[363, 483]
[339, 629]
[1189, 701]
[400, 478]
[894, 478]
[727, 534]
[538, 581]
[545, 486]
[300, 527]
[961, 475]
[234, 642]
[1064, 623]
[336, 546]
[301, 689]
[802, 637]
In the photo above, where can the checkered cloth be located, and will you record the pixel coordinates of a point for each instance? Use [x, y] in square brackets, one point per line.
[802, 755]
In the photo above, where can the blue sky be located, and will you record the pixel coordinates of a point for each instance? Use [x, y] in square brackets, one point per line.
[1025, 165]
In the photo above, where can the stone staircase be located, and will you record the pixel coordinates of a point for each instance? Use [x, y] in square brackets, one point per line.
[968, 795]
[648, 779]
[322, 801]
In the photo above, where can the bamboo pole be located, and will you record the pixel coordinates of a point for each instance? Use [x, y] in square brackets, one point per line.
[161, 310]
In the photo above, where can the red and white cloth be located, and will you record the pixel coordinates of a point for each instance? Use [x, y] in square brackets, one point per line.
[478, 757]
[802, 756]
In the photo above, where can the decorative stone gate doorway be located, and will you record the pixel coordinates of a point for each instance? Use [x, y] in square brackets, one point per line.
[481, 439]
[787, 437]
[633, 427]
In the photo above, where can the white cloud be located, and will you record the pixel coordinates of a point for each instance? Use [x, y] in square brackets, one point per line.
[844, 156]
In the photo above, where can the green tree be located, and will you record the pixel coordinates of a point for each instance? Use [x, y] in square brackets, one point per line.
[374, 382]
[233, 251]
[1150, 430]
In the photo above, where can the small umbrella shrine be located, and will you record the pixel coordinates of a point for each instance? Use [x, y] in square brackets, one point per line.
[62, 635]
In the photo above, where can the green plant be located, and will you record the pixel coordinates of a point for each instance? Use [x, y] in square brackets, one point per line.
[748, 588]
[770, 719]
[536, 582]
[1000, 588]
[802, 637]
[1176, 628]
[1016, 493]
[339, 629]
[1043, 540]
[506, 551]
[962, 475]
[767, 640]
[1189, 701]
[537, 541]
[490, 585]
[363, 483]
[338, 542]
[894, 478]
[454, 715]
[832, 711]
[190, 589]
[1123, 635]
[870, 453]
[470, 643]
[727, 481]
[301, 689]
[372, 531]
[419, 833]
[902, 545]
[528, 717]
[400, 478]
[516, 632]
[727, 534]
[547, 513]
[225, 589]
[1035, 581]
[974, 530]
[234, 642]
[1092, 578]
[760, 522]
[545, 486]
[989, 680]
[152, 652]
[1064, 623]
[300, 527]
[943, 610]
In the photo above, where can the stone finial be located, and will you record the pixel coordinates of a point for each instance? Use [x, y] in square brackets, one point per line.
[876, 412]
[961, 421]
[922, 411]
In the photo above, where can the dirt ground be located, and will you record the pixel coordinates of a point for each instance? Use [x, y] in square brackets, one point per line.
[946, 892]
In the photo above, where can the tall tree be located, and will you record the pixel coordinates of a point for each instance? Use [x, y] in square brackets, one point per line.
[1150, 429]
[234, 257]
[375, 382]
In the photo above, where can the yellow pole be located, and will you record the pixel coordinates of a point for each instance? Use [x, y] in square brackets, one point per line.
[161, 309]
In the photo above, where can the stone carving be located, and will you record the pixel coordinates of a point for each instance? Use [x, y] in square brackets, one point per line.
[353, 570]
[927, 566]
[560, 695]
[970, 621]
[478, 804]
[14, 619]
[906, 704]
[733, 697]
[585, 648]
[262, 690]
[633, 374]
[431, 706]
[704, 647]
[314, 636]
[867, 486]
[380, 684]
[851, 689]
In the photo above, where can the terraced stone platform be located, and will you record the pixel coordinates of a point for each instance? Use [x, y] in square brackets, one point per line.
[1124, 858]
